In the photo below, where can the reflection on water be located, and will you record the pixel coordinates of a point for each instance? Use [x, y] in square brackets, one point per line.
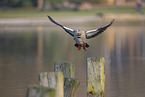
[25, 53]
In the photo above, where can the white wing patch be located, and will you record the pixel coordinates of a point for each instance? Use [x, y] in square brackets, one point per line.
[68, 30]
[91, 31]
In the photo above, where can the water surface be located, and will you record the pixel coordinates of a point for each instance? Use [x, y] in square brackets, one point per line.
[27, 51]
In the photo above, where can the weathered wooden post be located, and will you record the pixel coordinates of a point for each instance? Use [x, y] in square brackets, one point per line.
[70, 87]
[61, 83]
[40, 91]
[67, 68]
[53, 80]
[70, 83]
[96, 77]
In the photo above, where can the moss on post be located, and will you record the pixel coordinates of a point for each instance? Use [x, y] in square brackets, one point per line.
[96, 77]
[52, 80]
[40, 91]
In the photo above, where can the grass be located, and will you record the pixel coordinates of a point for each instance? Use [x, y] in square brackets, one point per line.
[32, 13]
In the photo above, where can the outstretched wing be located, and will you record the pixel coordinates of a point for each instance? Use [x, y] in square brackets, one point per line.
[93, 33]
[68, 30]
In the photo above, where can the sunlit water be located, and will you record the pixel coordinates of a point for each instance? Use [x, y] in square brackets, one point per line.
[25, 52]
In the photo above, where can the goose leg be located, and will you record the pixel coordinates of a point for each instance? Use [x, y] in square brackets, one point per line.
[85, 47]
[79, 47]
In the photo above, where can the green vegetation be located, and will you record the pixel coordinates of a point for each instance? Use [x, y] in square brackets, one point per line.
[32, 13]
[35, 3]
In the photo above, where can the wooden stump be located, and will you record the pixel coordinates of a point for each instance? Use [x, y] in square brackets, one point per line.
[96, 77]
[54, 84]
[67, 68]
[70, 87]
[52, 80]
[70, 83]
[40, 91]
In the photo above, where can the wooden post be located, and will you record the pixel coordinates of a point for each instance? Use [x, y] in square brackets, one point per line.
[70, 84]
[96, 77]
[52, 80]
[70, 87]
[40, 91]
[67, 68]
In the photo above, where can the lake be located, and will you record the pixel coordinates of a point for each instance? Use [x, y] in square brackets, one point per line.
[27, 51]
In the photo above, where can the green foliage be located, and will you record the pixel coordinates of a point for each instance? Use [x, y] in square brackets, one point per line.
[97, 1]
[55, 2]
[90, 1]
[34, 3]
[78, 1]
[17, 3]
[27, 3]
[13, 3]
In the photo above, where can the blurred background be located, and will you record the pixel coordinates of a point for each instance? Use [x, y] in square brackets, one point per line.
[64, 4]
[30, 43]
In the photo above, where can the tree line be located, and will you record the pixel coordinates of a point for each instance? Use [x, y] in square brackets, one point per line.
[40, 4]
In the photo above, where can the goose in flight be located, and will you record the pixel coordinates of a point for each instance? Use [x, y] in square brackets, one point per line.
[81, 36]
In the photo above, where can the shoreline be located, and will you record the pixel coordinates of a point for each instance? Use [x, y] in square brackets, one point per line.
[120, 19]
